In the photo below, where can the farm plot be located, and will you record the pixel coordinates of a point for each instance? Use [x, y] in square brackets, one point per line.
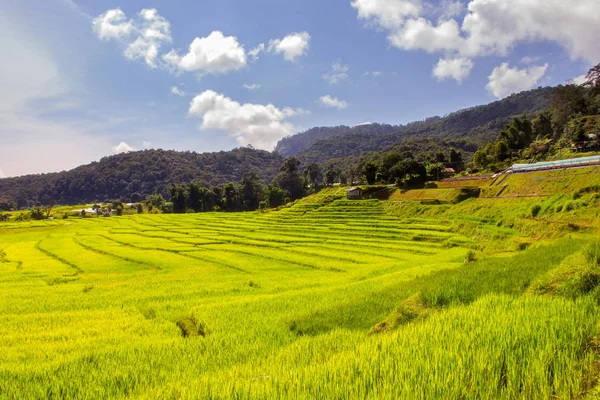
[282, 304]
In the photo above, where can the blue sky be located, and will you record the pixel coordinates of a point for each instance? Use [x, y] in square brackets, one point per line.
[86, 79]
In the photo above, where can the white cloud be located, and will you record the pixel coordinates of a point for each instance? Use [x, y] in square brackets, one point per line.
[146, 144]
[373, 73]
[215, 54]
[256, 124]
[529, 60]
[151, 31]
[2, 174]
[253, 53]
[579, 80]
[122, 148]
[112, 25]
[389, 14]
[337, 74]
[254, 86]
[489, 27]
[421, 34]
[175, 90]
[504, 80]
[333, 102]
[292, 46]
[449, 9]
[455, 68]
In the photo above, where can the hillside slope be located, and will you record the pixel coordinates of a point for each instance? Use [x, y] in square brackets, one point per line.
[142, 172]
[476, 125]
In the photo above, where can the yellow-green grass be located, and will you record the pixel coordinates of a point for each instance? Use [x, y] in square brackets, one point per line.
[445, 194]
[284, 304]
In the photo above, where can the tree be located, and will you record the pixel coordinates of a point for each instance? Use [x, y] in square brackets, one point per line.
[565, 101]
[455, 159]
[251, 191]
[140, 208]
[156, 201]
[312, 173]
[178, 198]
[231, 197]
[217, 194]
[330, 176]
[389, 160]
[275, 196]
[370, 172]
[542, 125]
[290, 180]
[480, 159]
[195, 197]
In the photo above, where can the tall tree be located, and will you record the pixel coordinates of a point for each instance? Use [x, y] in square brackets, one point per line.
[370, 172]
[178, 198]
[290, 180]
[231, 197]
[251, 191]
[312, 173]
[195, 197]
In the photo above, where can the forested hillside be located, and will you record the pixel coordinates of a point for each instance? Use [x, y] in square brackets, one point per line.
[137, 174]
[477, 125]
[292, 145]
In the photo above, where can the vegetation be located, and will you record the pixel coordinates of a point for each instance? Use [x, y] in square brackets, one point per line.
[132, 177]
[325, 297]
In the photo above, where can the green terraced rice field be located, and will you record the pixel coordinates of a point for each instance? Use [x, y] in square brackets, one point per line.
[339, 300]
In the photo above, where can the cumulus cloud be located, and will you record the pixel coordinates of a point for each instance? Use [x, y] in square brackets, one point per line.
[421, 34]
[388, 14]
[214, 54]
[146, 144]
[504, 80]
[254, 86]
[253, 53]
[292, 46]
[113, 24]
[256, 124]
[122, 148]
[333, 102]
[2, 174]
[151, 31]
[337, 74]
[455, 68]
[175, 90]
[489, 27]
[154, 30]
[579, 80]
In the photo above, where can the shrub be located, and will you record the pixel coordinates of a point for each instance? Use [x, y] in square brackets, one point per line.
[535, 210]
[65, 216]
[191, 326]
[263, 205]
[470, 257]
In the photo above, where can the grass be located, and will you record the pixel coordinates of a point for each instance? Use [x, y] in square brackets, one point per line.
[325, 298]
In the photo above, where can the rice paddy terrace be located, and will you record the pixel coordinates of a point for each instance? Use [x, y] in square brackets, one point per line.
[336, 299]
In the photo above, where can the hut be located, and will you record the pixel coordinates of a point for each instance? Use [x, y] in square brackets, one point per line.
[354, 192]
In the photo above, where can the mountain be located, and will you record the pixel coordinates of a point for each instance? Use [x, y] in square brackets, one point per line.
[292, 145]
[138, 174]
[475, 125]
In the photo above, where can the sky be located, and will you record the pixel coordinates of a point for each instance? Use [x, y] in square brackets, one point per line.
[83, 79]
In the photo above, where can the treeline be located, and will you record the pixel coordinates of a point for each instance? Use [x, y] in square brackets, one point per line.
[132, 177]
[248, 195]
[475, 127]
[572, 121]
